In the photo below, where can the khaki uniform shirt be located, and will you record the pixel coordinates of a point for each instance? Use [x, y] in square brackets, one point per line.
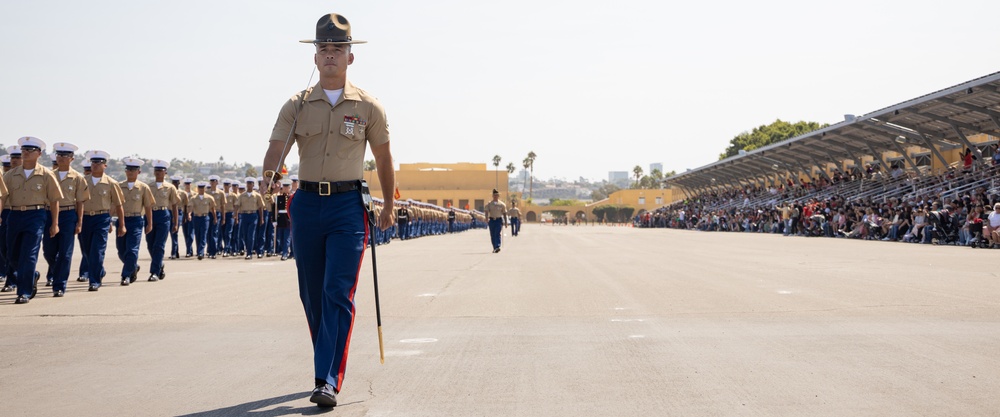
[514, 212]
[103, 196]
[250, 201]
[332, 137]
[218, 195]
[3, 190]
[495, 209]
[74, 187]
[231, 201]
[185, 200]
[137, 199]
[201, 205]
[164, 197]
[40, 189]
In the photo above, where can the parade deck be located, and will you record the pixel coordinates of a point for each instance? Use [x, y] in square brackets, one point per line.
[565, 321]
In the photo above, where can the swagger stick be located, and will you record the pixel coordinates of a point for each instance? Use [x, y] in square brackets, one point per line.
[378, 308]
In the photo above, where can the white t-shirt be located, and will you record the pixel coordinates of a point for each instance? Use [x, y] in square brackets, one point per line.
[28, 172]
[333, 95]
[96, 179]
[130, 185]
[62, 175]
[994, 219]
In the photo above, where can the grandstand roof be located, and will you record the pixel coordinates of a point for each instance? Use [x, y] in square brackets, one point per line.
[943, 119]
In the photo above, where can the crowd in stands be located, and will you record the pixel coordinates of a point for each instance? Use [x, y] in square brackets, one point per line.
[958, 206]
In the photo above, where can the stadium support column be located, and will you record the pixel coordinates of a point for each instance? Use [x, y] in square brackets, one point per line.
[934, 149]
[903, 152]
[965, 140]
[877, 155]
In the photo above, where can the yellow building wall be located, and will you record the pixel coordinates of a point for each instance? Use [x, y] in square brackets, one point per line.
[443, 183]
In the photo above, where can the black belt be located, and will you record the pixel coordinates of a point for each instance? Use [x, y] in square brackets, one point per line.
[133, 214]
[327, 188]
[160, 208]
[496, 218]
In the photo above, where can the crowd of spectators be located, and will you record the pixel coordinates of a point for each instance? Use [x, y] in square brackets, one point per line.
[958, 206]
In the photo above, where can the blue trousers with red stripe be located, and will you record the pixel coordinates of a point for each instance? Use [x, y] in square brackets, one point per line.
[330, 234]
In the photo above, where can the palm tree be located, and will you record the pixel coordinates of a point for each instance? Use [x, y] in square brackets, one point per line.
[526, 163]
[496, 164]
[638, 173]
[531, 177]
[510, 170]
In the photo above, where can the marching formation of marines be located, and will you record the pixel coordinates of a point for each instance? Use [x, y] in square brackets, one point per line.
[43, 209]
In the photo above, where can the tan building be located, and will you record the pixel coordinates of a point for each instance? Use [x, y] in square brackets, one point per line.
[467, 184]
[462, 185]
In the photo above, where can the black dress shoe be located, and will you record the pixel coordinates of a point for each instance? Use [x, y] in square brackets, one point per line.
[59, 293]
[135, 274]
[324, 396]
[48, 282]
[249, 257]
[153, 278]
[8, 288]
[284, 258]
[94, 287]
[163, 274]
[34, 286]
[200, 257]
[24, 300]
[126, 282]
[82, 279]
[188, 255]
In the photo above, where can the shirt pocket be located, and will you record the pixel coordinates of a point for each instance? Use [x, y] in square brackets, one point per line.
[352, 143]
[309, 138]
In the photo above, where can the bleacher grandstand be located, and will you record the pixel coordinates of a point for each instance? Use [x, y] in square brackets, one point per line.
[923, 171]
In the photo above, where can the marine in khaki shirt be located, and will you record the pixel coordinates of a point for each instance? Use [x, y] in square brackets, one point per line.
[496, 209]
[165, 197]
[331, 137]
[39, 190]
[219, 196]
[249, 202]
[105, 197]
[203, 205]
[137, 200]
[75, 191]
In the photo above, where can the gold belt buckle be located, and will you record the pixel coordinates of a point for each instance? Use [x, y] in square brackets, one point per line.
[327, 192]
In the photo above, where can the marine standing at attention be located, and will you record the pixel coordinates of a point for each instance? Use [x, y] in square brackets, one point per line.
[333, 121]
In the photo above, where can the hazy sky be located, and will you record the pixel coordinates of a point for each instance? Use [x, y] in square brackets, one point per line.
[589, 86]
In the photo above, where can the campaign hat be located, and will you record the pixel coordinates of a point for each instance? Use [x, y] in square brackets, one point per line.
[333, 29]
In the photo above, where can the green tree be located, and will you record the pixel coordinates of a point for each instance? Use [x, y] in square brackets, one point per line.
[637, 171]
[370, 167]
[764, 135]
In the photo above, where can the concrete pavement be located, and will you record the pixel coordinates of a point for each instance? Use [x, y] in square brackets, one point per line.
[565, 321]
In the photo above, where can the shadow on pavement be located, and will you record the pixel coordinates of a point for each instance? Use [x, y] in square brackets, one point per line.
[248, 409]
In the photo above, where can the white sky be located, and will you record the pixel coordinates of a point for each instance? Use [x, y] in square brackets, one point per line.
[590, 86]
